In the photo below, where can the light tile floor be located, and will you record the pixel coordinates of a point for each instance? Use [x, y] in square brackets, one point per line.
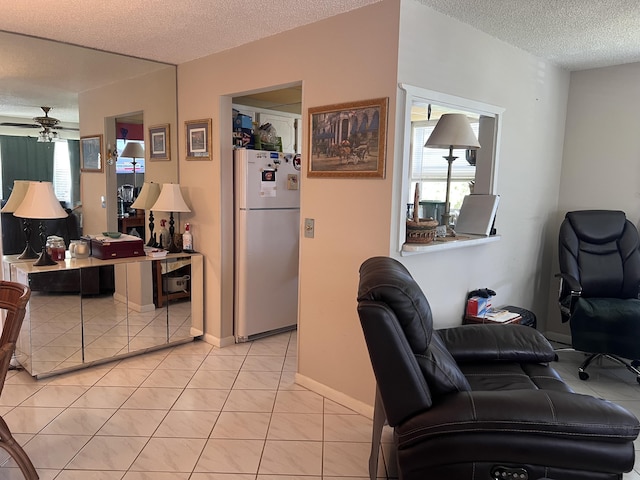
[195, 412]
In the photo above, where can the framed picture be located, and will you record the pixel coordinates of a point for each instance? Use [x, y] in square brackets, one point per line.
[91, 154]
[160, 144]
[348, 139]
[198, 139]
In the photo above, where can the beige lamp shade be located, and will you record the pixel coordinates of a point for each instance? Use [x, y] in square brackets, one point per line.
[40, 202]
[170, 199]
[133, 150]
[18, 193]
[148, 196]
[453, 130]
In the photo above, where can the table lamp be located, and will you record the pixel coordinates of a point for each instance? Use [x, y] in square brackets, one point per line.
[452, 131]
[133, 150]
[40, 203]
[170, 200]
[18, 193]
[148, 196]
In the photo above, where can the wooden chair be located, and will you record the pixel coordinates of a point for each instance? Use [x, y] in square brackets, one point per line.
[13, 300]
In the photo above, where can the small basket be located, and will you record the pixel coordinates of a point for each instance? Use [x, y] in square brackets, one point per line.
[423, 231]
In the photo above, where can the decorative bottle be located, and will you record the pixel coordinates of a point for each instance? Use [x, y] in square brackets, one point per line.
[187, 239]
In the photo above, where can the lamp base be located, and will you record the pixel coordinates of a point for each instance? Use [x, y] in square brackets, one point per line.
[28, 254]
[45, 259]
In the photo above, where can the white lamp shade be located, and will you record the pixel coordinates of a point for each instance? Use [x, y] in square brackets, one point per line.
[170, 200]
[453, 130]
[18, 193]
[133, 150]
[40, 202]
[148, 196]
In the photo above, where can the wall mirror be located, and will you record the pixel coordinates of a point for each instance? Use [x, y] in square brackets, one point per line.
[472, 172]
[83, 87]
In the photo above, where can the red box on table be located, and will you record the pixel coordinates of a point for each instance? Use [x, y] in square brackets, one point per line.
[105, 248]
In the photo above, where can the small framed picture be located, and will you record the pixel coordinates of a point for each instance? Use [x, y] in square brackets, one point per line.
[160, 143]
[91, 154]
[198, 139]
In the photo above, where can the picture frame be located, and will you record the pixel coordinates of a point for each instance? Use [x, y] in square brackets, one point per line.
[348, 140]
[91, 153]
[159, 142]
[198, 139]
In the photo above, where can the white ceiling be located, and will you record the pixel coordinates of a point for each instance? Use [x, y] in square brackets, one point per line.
[574, 34]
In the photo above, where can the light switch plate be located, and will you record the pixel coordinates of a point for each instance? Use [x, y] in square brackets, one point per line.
[309, 227]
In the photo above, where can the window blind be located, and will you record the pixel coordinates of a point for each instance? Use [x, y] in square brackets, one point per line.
[428, 164]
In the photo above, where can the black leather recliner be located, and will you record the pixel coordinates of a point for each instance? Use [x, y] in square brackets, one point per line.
[479, 401]
[599, 260]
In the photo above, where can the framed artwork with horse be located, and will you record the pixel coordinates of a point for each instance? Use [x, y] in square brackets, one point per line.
[348, 139]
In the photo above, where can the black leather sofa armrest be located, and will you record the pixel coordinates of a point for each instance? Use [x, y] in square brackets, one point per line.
[495, 342]
[522, 412]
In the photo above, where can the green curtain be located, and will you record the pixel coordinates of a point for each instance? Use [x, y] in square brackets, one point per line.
[24, 158]
[74, 161]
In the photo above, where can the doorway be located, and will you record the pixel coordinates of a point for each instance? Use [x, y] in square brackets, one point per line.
[279, 111]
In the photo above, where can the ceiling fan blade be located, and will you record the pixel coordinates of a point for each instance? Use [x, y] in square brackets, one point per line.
[58, 127]
[22, 125]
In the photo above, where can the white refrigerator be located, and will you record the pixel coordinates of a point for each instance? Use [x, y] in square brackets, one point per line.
[267, 235]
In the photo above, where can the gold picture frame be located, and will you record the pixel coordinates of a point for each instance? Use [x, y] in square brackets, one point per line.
[159, 142]
[91, 154]
[348, 140]
[198, 139]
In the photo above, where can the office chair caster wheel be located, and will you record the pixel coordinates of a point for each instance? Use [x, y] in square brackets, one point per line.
[583, 375]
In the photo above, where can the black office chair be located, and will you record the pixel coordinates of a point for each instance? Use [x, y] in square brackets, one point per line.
[600, 286]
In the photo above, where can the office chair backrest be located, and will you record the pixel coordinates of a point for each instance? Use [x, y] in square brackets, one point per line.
[411, 363]
[600, 249]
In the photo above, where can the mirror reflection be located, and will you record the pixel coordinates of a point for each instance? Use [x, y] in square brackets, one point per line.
[91, 314]
[51, 94]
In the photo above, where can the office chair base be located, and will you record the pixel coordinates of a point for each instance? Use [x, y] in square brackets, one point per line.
[632, 367]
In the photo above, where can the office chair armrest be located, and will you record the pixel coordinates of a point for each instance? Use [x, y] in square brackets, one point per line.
[518, 412]
[490, 342]
[572, 283]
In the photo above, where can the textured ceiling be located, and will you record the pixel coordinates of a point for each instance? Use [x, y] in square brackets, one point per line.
[574, 34]
[173, 31]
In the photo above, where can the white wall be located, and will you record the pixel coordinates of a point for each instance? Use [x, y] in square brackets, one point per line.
[441, 54]
[601, 167]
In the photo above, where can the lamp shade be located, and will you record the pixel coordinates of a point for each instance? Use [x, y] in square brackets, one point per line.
[170, 199]
[133, 150]
[453, 130]
[18, 193]
[148, 196]
[40, 202]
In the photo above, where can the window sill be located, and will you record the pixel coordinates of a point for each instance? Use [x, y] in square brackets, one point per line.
[448, 243]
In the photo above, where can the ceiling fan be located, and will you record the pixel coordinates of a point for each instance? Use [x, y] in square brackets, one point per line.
[49, 126]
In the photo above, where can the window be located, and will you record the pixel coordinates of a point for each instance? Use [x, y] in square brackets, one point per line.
[427, 168]
[62, 172]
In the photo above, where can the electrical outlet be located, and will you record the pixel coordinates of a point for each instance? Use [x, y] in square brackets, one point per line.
[309, 227]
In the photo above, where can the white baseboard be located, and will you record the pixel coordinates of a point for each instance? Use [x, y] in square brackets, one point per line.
[336, 396]
[218, 342]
